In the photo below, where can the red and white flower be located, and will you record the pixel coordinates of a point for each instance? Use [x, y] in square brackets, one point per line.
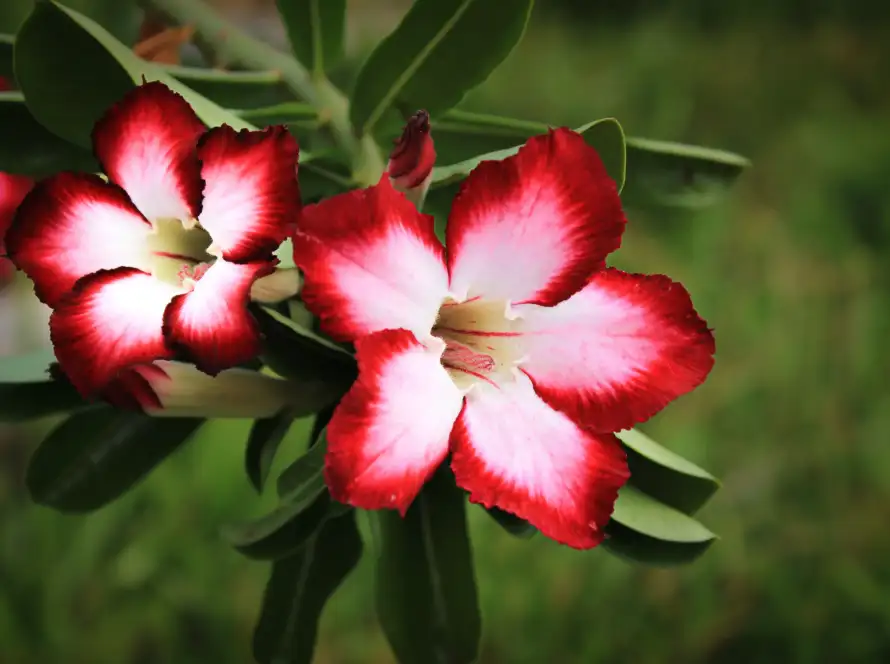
[159, 260]
[12, 190]
[515, 349]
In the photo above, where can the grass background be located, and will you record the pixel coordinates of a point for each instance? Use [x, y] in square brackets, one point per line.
[792, 270]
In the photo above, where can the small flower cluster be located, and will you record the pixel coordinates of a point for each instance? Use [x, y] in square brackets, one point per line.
[512, 350]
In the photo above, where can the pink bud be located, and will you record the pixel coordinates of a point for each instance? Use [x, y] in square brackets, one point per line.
[412, 159]
[13, 189]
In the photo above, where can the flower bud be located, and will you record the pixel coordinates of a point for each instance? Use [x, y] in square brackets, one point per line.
[176, 389]
[411, 162]
[282, 284]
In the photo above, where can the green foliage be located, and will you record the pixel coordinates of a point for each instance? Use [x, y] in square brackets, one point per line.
[440, 50]
[298, 590]
[265, 438]
[315, 29]
[95, 456]
[427, 598]
[30, 148]
[305, 506]
[55, 83]
[29, 391]
[425, 583]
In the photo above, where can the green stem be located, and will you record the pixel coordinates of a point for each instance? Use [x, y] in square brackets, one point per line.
[235, 45]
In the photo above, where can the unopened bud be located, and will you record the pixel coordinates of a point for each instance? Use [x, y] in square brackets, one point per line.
[411, 161]
[282, 284]
[175, 389]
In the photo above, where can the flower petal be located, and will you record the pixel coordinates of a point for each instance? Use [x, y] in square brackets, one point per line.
[211, 325]
[390, 432]
[251, 194]
[371, 262]
[617, 352]
[74, 224]
[535, 226]
[109, 322]
[146, 144]
[512, 451]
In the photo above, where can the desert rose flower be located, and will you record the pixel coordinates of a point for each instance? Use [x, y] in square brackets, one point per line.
[159, 260]
[516, 349]
[12, 190]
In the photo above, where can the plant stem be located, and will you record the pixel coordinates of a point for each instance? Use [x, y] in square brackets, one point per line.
[235, 45]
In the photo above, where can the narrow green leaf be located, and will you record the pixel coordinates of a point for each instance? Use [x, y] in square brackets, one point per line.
[425, 585]
[233, 89]
[263, 442]
[646, 531]
[299, 588]
[315, 29]
[95, 456]
[296, 352]
[69, 94]
[673, 175]
[28, 390]
[28, 148]
[304, 507]
[665, 475]
[440, 50]
[605, 135]
[512, 523]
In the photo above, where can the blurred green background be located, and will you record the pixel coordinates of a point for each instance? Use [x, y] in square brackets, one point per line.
[793, 272]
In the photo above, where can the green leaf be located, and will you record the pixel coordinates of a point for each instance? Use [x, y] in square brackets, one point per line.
[673, 175]
[304, 506]
[296, 352]
[605, 136]
[13, 14]
[644, 530]
[315, 29]
[28, 148]
[263, 442]
[69, 94]
[298, 590]
[7, 42]
[287, 113]
[440, 50]
[95, 456]
[511, 523]
[665, 475]
[425, 586]
[29, 391]
[233, 89]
